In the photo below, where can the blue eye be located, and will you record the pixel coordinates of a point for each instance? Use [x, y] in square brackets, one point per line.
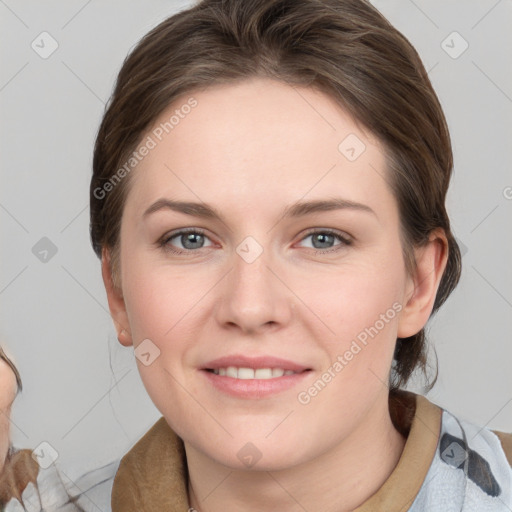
[190, 240]
[194, 239]
[324, 238]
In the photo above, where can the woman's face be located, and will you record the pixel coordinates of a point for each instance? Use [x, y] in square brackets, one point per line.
[267, 271]
[8, 388]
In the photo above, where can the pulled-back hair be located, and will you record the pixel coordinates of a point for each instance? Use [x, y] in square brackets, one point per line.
[344, 48]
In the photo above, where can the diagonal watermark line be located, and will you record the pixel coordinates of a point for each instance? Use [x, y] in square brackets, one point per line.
[196, 303]
[295, 89]
[488, 215]
[286, 491]
[385, 384]
[12, 423]
[215, 488]
[416, 416]
[83, 82]
[486, 14]
[433, 67]
[280, 423]
[76, 14]
[95, 404]
[85, 290]
[424, 14]
[13, 279]
[2, 1]
[112, 371]
[304, 195]
[14, 76]
[301, 301]
[425, 485]
[14, 218]
[380, 174]
[505, 504]
[492, 81]
[74, 218]
[435, 434]
[199, 403]
[493, 287]
[480, 430]
[82, 492]
[200, 200]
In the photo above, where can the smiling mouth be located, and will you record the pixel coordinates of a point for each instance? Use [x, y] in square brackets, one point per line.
[243, 373]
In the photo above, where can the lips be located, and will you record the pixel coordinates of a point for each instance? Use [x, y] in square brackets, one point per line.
[254, 363]
[254, 377]
[250, 373]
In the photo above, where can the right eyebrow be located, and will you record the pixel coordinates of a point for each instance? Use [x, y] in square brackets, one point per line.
[188, 208]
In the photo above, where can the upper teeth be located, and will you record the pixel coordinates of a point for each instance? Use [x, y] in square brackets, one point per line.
[250, 373]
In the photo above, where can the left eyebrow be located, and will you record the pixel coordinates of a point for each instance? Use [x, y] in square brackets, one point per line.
[299, 209]
[305, 208]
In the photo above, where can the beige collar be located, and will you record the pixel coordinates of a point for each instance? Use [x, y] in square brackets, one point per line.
[153, 477]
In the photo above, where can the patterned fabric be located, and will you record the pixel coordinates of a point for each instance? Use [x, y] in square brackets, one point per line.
[469, 473]
[53, 492]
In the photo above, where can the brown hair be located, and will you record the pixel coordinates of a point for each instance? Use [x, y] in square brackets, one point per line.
[344, 48]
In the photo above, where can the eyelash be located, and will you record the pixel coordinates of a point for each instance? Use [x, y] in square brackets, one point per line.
[164, 241]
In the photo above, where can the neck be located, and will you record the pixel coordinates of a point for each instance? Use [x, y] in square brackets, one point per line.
[339, 480]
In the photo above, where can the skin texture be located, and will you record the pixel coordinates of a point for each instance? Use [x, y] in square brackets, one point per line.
[250, 150]
[8, 389]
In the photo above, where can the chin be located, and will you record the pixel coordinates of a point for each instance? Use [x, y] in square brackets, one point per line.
[255, 453]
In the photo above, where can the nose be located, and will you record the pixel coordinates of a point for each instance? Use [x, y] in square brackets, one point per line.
[253, 298]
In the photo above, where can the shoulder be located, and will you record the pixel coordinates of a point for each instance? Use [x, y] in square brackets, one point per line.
[472, 461]
[470, 469]
[480, 451]
[152, 475]
[494, 446]
[19, 470]
[23, 481]
[157, 444]
[506, 443]
[92, 491]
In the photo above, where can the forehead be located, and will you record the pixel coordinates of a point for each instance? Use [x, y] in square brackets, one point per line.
[258, 143]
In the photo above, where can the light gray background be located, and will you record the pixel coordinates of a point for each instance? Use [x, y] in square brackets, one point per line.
[82, 392]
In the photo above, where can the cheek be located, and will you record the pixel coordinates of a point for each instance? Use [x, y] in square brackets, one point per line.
[353, 297]
[363, 312]
[167, 304]
[359, 306]
[157, 302]
[152, 294]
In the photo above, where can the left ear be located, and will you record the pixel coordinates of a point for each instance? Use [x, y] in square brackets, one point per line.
[115, 300]
[422, 287]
